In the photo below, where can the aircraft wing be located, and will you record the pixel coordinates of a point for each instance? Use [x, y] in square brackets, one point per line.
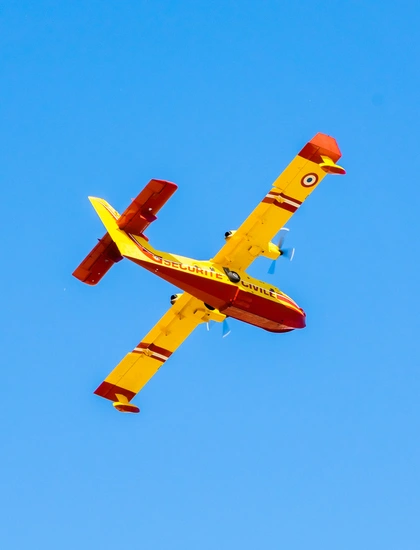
[317, 159]
[138, 366]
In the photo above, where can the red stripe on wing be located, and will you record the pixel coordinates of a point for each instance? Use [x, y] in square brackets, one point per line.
[154, 348]
[109, 391]
[285, 206]
[290, 198]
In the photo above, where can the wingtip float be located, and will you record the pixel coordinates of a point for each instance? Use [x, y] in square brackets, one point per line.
[215, 289]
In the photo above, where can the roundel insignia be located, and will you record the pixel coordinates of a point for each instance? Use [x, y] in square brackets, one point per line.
[309, 180]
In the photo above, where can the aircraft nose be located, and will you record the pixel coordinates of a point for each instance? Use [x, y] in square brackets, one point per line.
[299, 319]
[294, 316]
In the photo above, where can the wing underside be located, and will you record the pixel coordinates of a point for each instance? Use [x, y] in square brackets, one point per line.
[143, 362]
[289, 191]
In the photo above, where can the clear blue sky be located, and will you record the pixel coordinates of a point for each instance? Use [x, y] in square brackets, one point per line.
[296, 441]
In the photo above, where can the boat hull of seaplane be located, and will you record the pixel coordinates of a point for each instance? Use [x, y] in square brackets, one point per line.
[247, 300]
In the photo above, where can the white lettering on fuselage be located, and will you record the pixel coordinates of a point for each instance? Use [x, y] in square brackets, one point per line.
[213, 275]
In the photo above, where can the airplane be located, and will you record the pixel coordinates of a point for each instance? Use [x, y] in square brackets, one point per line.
[215, 289]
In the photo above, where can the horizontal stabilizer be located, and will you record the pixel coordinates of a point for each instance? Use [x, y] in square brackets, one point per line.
[143, 209]
[135, 219]
[98, 262]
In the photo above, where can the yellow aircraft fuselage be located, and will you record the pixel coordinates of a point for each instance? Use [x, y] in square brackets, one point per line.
[233, 293]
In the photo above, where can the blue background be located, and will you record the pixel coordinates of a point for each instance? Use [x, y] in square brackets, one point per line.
[303, 440]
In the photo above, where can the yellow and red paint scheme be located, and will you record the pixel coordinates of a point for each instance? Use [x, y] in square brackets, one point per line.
[213, 289]
[248, 300]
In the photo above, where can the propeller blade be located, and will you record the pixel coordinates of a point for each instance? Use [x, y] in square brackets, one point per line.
[272, 268]
[282, 236]
[225, 329]
[288, 253]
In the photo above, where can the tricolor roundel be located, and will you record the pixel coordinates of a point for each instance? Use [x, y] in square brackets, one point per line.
[309, 180]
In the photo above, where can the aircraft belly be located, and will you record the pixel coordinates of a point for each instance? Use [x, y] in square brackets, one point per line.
[214, 292]
[233, 300]
[265, 313]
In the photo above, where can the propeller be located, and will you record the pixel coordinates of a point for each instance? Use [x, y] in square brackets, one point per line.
[284, 252]
[225, 328]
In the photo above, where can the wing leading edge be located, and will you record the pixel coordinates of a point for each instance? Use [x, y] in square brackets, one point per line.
[317, 159]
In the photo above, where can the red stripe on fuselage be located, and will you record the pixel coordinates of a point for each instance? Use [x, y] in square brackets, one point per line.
[231, 300]
[210, 290]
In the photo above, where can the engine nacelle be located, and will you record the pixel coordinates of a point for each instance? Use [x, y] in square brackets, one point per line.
[174, 298]
[271, 251]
